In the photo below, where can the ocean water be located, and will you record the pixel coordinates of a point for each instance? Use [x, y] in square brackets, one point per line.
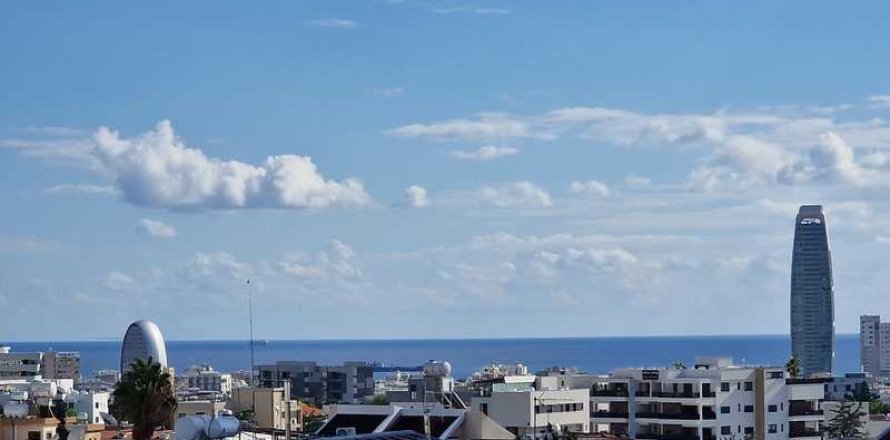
[593, 355]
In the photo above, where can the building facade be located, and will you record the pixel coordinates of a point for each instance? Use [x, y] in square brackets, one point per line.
[205, 378]
[143, 340]
[61, 365]
[870, 344]
[270, 406]
[321, 384]
[20, 365]
[812, 293]
[714, 400]
[531, 409]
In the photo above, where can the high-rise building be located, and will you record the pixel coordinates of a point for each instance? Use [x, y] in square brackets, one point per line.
[143, 340]
[870, 343]
[812, 293]
[874, 345]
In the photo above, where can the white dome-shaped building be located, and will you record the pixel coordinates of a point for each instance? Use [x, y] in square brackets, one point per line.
[143, 340]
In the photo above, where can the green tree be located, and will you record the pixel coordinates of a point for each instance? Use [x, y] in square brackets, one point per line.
[679, 365]
[379, 399]
[793, 367]
[145, 398]
[847, 421]
[862, 393]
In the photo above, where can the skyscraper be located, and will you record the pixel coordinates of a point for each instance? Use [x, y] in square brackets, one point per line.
[812, 293]
[143, 340]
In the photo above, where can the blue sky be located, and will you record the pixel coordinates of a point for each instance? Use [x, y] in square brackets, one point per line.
[436, 169]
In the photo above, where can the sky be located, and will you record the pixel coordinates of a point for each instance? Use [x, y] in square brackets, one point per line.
[436, 169]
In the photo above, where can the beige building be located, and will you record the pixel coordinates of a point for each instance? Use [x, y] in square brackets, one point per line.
[61, 365]
[186, 408]
[271, 407]
[31, 428]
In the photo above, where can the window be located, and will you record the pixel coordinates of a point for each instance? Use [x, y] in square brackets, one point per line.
[33, 435]
[772, 408]
[738, 429]
[725, 430]
[782, 406]
[740, 407]
[749, 430]
[749, 408]
[738, 386]
[773, 428]
[724, 386]
[724, 410]
[484, 408]
[749, 386]
[97, 405]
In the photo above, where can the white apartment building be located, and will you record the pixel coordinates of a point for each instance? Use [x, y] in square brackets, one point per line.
[61, 365]
[527, 407]
[205, 378]
[715, 399]
[22, 365]
[89, 405]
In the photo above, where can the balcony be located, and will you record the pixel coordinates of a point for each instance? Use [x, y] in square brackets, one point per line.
[607, 393]
[677, 394]
[805, 433]
[642, 393]
[608, 415]
[652, 436]
[793, 412]
[669, 416]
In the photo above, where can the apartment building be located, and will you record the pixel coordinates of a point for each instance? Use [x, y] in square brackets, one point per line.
[205, 378]
[529, 408]
[321, 384]
[715, 399]
[89, 405]
[874, 345]
[20, 365]
[270, 406]
[61, 365]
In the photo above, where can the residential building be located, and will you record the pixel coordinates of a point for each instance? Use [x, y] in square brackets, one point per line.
[28, 428]
[143, 340]
[874, 345]
[89, 405]
[396, 422]
[321, 384]
[205, 378]
[433, 385]
[812, 293]
[715, 399]
[270, 406]
[870, 343]
[61, 365]
[20, 365]
[528, 409]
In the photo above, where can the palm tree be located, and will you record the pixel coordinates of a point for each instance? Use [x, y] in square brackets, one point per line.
[145, 397]
[679, 365]
[793, 367]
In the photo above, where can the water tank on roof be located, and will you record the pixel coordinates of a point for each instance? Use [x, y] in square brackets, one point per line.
[222, 427]
[437, 369]
[15, 409]
[191, 427]
[44, 389]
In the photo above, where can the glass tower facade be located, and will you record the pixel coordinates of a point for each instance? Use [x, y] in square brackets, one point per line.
[812, 293]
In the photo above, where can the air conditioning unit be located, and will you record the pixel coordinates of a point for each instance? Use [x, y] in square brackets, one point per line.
[345, 432]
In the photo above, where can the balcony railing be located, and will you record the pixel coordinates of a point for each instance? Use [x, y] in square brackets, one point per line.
[677, 394]
[805, 412]
[608, 414]
[642, 393]
[608, 393]
[652, 436]
[805, 433]
[668, 416]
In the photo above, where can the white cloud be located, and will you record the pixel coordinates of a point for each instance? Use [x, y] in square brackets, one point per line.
[879, 101]
[484, 153]
[517, 194]
[118, 281]
[337, 264]
[416, 196]
[81, 189]
[589, 187]
[486, 126]
[157, 169]
[337, 23]
[388, 91]
[156, 229]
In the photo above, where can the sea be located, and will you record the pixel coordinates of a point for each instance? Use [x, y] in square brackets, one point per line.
[591, 355]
